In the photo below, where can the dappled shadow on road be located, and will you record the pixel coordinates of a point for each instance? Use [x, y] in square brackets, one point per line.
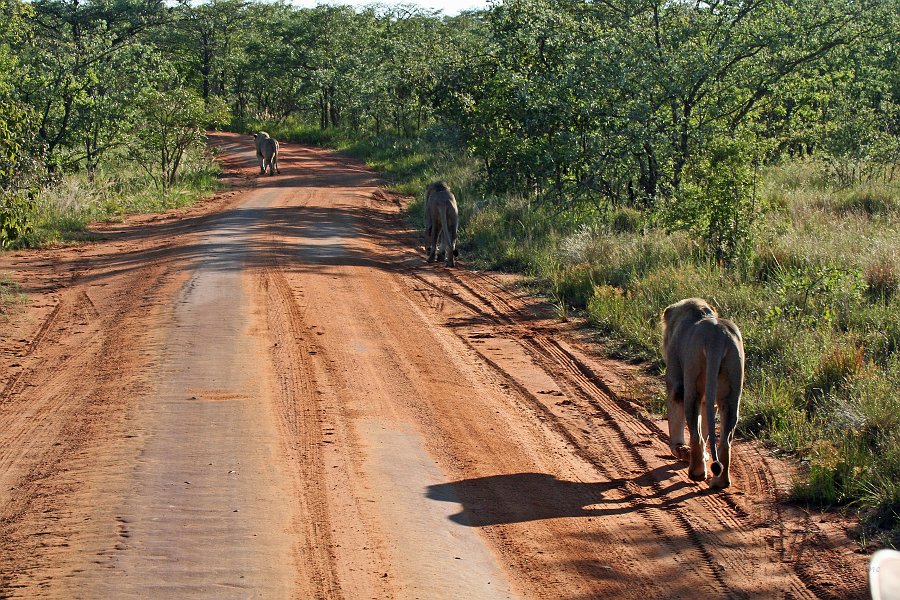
[313, 232]
[300, 167]
[354, 228]
[311, 174]
[298, 239]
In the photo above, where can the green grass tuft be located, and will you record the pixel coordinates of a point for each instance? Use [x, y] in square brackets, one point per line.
[11, 295]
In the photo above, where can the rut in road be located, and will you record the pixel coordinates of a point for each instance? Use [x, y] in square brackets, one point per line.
[280, 398]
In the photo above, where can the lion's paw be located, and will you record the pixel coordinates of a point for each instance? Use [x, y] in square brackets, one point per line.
[720, 482]
[682, 453]
[697, 475]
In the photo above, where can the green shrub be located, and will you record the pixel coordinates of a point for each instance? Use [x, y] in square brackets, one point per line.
[626, 220]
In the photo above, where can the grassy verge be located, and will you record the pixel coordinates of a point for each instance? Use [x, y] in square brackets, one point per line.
[11, 295]
[818, 305]
[818, 302]
[62, 212]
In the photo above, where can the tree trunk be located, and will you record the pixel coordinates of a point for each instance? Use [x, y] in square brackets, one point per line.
[333, 111]
[683, 147]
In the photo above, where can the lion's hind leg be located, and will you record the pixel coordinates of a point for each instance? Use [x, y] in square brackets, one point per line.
[675, 401]
[432, 240]
[692, 410]
[708, 416]
[447, 243]
[728, 409]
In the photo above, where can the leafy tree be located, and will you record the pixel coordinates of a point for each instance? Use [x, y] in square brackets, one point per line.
[20, 154]
[619, 99]
[210, 40]
[174, 121]
[76, 48]
[19, 169]
[104, 113]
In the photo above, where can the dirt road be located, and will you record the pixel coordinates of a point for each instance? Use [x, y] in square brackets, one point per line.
[273, 396]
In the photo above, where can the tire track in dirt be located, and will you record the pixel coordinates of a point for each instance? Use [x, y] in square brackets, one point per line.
[615, 439]
[301, 421]
[64, 409]
[386, 540]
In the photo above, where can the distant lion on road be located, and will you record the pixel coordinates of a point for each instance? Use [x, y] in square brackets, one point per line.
[704, 358]
[441, 222]
[266, 152]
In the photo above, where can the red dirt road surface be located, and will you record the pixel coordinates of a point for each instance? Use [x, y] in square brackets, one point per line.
[272, 395]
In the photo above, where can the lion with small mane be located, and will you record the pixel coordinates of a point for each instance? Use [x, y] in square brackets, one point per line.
[266, 152]
[257, 140]
[704, 358]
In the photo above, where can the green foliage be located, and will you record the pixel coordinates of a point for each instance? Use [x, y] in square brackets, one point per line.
[809, 296]
[717, 202]
[81, 70]
[175, 121]
[14, 222]
[858, 126]
[61, 213]
[20, 170]
[626, 220]
[20, 164]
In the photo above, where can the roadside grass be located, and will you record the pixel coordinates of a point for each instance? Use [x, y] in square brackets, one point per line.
[11, 295]
[818, 302]
[62, 212]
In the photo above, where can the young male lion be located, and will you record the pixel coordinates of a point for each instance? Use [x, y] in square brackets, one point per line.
[704, 369]
[258, 139]
[441, 222]
[266, 153]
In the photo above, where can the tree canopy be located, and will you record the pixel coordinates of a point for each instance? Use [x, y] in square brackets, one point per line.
[649, 104]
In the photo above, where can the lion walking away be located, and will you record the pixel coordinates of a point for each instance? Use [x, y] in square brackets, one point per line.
[441, 222]
[266, 153]
[704, 358]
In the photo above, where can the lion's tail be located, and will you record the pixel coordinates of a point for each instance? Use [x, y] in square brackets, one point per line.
[714, 355]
